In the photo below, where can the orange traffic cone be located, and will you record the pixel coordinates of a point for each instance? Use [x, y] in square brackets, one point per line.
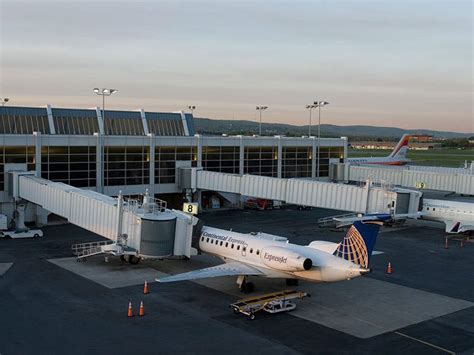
[145, 288]
[130, 311]
[142, 310]
[389, 268]
[446, 243]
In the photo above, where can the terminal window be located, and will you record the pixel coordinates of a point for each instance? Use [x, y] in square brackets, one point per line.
[261, 161]
[126, 166]
[221, 159]
[71, 165]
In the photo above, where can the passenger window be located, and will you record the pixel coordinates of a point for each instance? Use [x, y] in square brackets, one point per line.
[232, 246]
[222, 242]
[257, 252]
[226, 244]
[202, 239]
[212, 241]
[251, 250]
[434, 209]
[238, 247]
[207, 240]
[244, 248]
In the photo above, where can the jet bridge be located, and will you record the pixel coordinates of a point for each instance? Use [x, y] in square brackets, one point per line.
[135, 228]
[369, 198]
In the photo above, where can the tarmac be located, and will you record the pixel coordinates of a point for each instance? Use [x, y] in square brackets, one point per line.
[52, 304]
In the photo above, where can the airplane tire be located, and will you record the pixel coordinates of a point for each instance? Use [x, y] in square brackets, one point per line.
[134, 260]
[36, 235]
[252, 316]
[122, 257]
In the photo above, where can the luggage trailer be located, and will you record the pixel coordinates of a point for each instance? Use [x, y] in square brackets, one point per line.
[275, 302]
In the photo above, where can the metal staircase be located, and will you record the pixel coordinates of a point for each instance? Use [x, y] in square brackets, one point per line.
[84, 250]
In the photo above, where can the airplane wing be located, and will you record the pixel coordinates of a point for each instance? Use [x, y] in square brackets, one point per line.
[344, 221]
[457, 227]
[229, 269]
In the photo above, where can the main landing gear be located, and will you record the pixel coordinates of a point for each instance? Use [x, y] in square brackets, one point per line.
[244, 285]
[291, 282]
[132, 259]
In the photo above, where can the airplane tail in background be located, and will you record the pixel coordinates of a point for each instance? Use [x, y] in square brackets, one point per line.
[401, 149]
[359, 242]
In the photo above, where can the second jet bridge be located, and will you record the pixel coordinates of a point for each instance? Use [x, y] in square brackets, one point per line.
[360, 199]
[137, 228]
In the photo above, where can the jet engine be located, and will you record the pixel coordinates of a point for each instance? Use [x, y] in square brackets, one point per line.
[285, 260]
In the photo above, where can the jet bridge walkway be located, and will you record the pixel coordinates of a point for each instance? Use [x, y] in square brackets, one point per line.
[356, 199]
[135, 228]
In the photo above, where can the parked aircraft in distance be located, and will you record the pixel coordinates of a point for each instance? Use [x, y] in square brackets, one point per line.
[266, 255]
[396, 157]
[458, 217]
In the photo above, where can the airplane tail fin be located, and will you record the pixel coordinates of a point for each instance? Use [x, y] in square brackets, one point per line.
[359, 242]
[401, 148]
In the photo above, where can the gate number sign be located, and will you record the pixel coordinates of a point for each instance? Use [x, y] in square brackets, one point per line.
[191, 208]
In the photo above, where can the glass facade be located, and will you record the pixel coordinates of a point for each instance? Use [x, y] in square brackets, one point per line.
[74, 166]
[70, 122]
[15, 155]
[126, 165]
[23, 120]
[123, 123]
[165, 124]
[221, 159]
[327, 153]
[165, 162]
[296, 162]
[261, 161]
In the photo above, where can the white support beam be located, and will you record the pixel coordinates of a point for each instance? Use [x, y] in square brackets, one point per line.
[100, 120]
[280, 158]
[241, 156]
[151, 164]
[144, 122]
[314, 157]
[37, 139]
[50, 120]
[185, 123]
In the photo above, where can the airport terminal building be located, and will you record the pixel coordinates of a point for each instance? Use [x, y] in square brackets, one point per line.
[131, 151]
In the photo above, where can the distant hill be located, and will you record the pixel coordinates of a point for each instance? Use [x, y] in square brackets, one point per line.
[208, 126]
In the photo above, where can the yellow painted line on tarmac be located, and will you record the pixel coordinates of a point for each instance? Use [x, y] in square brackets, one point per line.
[426, 343]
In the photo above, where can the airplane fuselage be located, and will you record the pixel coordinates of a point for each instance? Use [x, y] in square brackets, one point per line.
[279, 259]
[377, 161]
[453, 213]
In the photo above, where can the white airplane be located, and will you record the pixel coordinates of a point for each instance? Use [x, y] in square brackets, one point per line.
[457, 216]
[272, 256]
[397, 157]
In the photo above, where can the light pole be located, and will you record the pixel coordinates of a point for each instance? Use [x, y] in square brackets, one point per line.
[4, 100]
[260, 109]
[192, 108]
[310, 108]
[319, 104]
[104, 93]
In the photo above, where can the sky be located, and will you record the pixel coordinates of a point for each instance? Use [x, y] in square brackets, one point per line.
[406, 64]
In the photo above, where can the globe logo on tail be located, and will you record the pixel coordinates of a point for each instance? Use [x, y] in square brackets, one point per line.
[353, 248]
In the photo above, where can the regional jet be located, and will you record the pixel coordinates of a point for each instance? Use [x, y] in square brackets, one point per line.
[266, 255]
[458, 217]
[396, 157]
